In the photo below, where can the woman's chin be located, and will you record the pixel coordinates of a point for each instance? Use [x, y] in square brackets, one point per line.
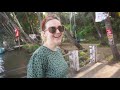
[58, 43]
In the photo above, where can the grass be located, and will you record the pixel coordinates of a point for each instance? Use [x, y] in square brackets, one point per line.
[30, 47]
[109, 58]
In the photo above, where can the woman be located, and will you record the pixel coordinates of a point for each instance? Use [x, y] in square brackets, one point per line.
[47, 61]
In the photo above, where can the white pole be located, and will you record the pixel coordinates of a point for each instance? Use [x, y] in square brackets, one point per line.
[96, 53]
[91, 55]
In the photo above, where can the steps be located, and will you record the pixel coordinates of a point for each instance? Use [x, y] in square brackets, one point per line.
[99, 70]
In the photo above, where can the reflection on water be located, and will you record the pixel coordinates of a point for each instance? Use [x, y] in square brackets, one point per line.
[1, 65]
[13, 64]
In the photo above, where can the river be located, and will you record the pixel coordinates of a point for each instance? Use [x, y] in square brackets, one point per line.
[13, 64]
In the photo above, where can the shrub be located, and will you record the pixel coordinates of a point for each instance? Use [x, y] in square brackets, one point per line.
[30, 47]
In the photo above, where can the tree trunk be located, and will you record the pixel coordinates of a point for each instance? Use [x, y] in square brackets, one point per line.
[72, 40]
[29, 22]
[102, 42]
[31, 27]
[7, 26]
[111, 39]
[21, 29]
[6, 31]
[40, 19]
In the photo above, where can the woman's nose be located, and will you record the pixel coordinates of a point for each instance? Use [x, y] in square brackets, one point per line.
[57, 31]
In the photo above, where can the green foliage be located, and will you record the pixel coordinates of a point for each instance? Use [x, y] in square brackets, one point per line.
[83, 55]
[83, 58]
[28, 19]
[116, 25]
[67, 26]
[85, 31]
[84, 24]
[30, 47]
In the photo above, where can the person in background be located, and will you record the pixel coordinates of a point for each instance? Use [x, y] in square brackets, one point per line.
[17, 34]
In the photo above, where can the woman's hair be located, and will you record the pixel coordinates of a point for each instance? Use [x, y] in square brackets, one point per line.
[44, 21]
[43, 37]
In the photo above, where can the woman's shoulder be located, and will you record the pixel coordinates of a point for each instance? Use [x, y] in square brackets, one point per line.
[39, 50]
[38, 57]
[59, 49]
[39, 53]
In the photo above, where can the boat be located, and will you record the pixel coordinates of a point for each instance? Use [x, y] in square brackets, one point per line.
[2, 50]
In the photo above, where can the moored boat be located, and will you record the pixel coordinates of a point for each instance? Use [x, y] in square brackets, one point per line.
[2, 50]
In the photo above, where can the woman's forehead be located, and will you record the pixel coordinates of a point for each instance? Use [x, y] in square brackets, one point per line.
[53, 22]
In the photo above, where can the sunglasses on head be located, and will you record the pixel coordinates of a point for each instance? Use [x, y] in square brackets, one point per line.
[53, 29]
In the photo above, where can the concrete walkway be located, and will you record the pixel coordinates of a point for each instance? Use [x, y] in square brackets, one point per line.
[99, 70]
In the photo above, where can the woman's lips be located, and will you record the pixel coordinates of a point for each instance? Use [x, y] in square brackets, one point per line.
[57, 36]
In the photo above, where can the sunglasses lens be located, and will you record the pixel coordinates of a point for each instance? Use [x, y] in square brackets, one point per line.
[52, 29]
[61, 28]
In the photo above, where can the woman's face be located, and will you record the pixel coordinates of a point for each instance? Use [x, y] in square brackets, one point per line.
[56, 37]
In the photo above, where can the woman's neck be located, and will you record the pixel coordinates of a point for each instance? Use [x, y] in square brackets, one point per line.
[50, 46]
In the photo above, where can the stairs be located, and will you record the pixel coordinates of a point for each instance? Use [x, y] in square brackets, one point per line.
[99, 70]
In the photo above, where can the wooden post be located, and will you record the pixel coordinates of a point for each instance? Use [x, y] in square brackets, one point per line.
[74, 60]
[19, 42]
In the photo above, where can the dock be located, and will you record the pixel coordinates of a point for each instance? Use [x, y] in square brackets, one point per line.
[17, 46]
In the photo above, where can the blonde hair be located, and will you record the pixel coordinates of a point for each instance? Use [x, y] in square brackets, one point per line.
[43, 37]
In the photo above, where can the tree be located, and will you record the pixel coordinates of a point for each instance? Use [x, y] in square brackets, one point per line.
[110, 35]
[115, 21]
[21, 29]
[72, 40]
[98, 29]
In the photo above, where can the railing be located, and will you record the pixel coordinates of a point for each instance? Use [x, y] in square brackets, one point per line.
[76, 63]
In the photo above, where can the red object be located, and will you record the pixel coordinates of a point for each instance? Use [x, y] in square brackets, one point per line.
[46, 19]
[17, 33]
[109, 32]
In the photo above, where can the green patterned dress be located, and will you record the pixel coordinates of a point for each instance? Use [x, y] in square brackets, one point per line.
[45, 63]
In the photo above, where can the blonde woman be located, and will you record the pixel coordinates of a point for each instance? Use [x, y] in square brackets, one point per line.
[47, 61]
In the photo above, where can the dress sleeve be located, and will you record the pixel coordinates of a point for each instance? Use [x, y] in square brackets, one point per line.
[35, 68]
